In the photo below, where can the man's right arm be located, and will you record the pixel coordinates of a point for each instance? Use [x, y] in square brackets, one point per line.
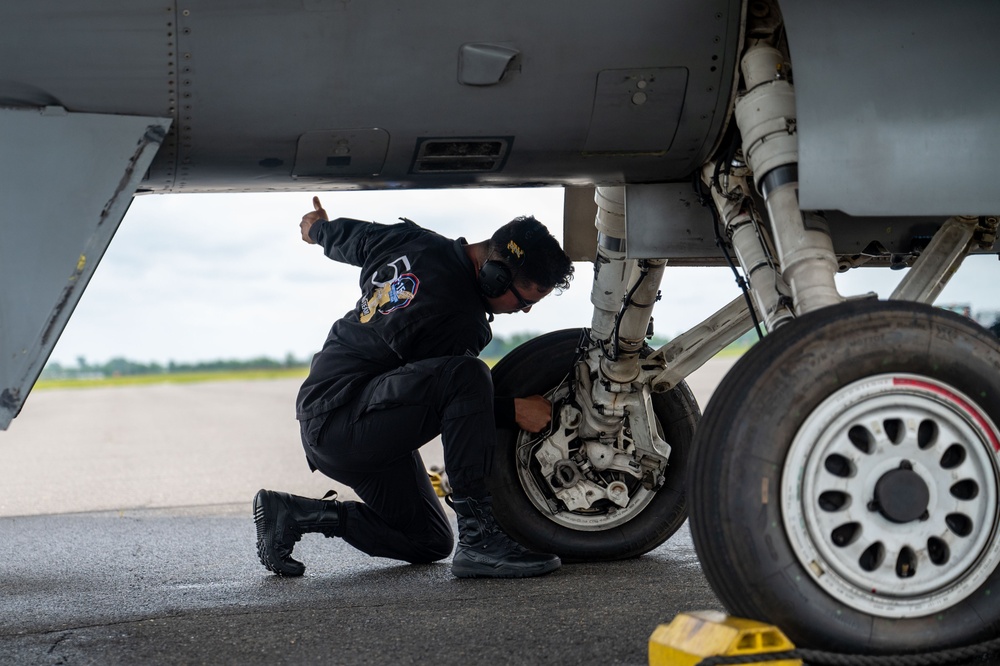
[531, 413]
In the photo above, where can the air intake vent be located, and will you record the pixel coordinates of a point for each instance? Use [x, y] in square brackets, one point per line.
[461, 155]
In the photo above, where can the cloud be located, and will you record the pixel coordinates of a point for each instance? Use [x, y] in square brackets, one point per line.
[207, 276]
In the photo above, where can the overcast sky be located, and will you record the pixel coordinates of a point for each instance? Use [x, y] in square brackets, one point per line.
[208, 276]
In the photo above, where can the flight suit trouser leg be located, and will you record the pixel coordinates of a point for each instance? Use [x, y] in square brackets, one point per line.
[371, 445]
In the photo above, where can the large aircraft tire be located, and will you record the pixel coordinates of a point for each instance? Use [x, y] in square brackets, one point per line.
[538, 367]
[844, 482]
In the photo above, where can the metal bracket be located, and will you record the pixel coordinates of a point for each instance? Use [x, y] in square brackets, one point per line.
[939, 260]
[693, 348]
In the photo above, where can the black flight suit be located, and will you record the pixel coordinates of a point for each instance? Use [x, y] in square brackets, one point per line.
[395, 372]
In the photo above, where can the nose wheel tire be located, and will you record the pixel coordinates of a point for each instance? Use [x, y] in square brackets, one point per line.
[524, 503]
[845, 480]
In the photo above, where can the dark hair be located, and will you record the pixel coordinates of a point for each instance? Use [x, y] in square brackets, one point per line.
[532, 254]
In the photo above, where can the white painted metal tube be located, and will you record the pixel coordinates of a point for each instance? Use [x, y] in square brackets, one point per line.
[805, 252]
[765, 115]
[765, 282]
[938, 262]
[642, 292]
[611, 270]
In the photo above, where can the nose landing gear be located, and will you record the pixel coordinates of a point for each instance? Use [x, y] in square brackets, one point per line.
[570, 493]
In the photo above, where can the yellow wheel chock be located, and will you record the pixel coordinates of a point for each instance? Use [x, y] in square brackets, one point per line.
[694, 636]
[439, 479]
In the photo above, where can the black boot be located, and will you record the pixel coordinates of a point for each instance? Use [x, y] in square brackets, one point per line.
[485, 551]
[281, 521]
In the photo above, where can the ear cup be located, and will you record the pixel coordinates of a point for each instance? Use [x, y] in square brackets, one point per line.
[494, 279]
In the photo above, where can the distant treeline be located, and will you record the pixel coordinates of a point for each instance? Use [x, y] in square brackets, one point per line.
[500, 346]
[122, 367]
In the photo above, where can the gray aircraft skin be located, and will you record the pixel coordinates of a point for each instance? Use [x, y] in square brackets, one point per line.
[843, 482]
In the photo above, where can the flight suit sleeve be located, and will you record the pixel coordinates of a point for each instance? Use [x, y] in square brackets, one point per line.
[343, 239]
[503, 412]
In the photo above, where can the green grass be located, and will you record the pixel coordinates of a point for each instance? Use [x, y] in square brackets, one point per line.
[226, 375]
[173, 378]
[733, 350]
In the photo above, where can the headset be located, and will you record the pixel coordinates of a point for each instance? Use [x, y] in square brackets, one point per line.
[495, 276]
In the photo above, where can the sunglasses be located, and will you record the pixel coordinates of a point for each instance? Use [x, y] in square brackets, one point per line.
[521, 302]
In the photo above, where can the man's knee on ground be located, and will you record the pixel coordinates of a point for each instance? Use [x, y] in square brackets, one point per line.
[427, 551]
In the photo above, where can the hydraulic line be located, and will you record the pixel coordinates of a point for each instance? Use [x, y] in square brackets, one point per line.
[733, 208]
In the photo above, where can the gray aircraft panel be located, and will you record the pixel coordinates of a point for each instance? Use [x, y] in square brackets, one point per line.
[894, 99]
[61, 201]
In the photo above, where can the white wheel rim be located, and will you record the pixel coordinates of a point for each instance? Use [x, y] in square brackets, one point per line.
[874, 557]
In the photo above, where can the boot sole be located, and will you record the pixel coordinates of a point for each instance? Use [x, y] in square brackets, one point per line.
[263, 537]
[477, 570]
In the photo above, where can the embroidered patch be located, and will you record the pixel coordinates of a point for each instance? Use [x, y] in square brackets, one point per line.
[390, 297]
[515, 250]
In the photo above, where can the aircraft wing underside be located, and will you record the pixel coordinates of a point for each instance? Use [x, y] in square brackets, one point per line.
[61, 207]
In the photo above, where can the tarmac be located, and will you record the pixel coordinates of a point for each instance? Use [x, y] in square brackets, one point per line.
[174, 445]
[126, 537]
[184, 587]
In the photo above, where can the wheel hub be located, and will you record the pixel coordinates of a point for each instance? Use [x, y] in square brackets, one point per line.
[901, 495]
[890, 495]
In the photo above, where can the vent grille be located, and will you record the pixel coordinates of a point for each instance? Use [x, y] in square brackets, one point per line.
[461, 155]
